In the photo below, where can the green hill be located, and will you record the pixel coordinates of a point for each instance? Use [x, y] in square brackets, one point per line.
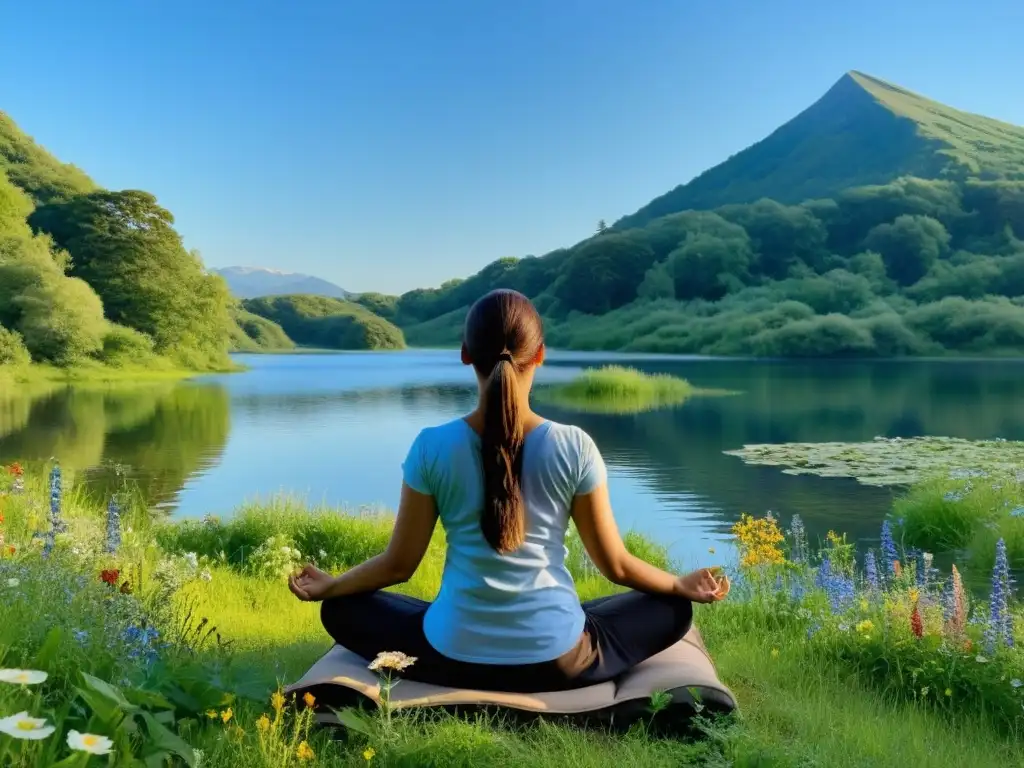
[327, 323]
[862, 131]
[876, 222]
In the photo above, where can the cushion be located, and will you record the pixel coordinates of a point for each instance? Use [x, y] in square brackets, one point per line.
[685, 671]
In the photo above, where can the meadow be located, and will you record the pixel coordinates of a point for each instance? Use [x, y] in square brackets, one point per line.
[127, 639]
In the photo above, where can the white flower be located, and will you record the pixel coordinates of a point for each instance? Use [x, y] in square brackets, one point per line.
[980, 659]
[395, 660]
[21, 726]
[206, 575]
[1016, 683]
[191, 559]
[22, 676]
[13, 582]
[286, 550]
[88, 742]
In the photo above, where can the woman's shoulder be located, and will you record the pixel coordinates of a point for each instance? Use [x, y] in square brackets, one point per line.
[568, 437]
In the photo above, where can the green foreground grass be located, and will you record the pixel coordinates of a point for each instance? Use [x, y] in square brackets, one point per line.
[230, 634]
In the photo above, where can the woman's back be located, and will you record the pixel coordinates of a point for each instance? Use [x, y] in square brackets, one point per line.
[514, 608]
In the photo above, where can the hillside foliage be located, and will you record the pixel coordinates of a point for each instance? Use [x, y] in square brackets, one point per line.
[327, 323]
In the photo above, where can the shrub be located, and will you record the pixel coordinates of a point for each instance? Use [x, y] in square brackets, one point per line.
[12, 348]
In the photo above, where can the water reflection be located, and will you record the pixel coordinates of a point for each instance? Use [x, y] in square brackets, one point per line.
[335, 428]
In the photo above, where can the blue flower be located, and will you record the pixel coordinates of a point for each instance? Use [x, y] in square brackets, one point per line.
[889, 556]
[1017, 512]
[113, 526]
[999, 629]
[838, 588]
[871, 571]
[56, 523]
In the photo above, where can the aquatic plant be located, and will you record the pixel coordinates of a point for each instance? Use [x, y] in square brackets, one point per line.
[617, 389]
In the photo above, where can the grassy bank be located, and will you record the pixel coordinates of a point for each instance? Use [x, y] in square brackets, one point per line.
[197, 631]
[618, 389]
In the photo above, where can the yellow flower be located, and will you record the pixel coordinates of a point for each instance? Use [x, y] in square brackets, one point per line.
[263, 723]
[865, 626]
[914, 594]
[864, 604]
[310, 700]
[758, 541]
[395, 660]
[212, 714]
[277, 701]
[775, 653]
[368, 754]
[226, 715]
[949, 692]
[304, 752]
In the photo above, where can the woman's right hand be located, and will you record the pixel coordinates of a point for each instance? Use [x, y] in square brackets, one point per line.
[311, 584]
[705, 585]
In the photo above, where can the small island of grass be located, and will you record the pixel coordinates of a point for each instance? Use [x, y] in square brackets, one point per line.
[617, 389]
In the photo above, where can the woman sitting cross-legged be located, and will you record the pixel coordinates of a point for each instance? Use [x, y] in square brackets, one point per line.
[505, 483]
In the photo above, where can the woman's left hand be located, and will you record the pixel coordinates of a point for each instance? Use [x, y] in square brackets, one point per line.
[311, 584]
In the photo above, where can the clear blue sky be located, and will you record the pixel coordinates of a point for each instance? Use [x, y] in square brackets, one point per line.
[388, 144]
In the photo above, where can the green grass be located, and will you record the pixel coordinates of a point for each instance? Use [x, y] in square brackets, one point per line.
[616, 389]
[802, 703]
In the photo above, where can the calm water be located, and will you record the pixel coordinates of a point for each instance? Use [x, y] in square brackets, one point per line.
[335, 428]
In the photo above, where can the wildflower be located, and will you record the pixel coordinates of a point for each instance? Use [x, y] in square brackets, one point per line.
[22, 676]
[21, 726]
[81, 636]
[949, 692]
[18, 485]
[924, 691]
[304, 751]
[263, 723]
[212, 714]
[838, 588]
[897, 569]
[310, 699]
[865, 626]
[368, 754]
[12, 582]
[916, 624]
[981, 659]
[799, 535]
[277, 701]
[1017, 512]
[1000, 620]
[206, 575]
[1016, 683]
[113, 526]
[956, 606]
[871, 571]
[395, 660]
[775, 653]
[110, 576]
[226, 715]
[888, 550]
[758, 541]
[91, 743]
[191, 559]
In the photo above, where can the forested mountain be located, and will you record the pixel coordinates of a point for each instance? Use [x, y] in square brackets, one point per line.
[254, 282]
[327, 323]
[877, 222]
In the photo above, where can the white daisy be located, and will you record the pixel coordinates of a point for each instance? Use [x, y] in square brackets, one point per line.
[89, 742]
[22, 676]
[21, 726]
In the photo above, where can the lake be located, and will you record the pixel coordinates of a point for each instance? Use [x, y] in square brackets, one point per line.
[335, 428]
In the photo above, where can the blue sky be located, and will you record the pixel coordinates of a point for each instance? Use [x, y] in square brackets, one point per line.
[387, 144]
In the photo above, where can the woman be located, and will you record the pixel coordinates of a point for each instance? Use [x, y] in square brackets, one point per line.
[504, 483]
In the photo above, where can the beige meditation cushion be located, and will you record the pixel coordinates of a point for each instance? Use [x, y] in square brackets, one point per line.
[685, 670]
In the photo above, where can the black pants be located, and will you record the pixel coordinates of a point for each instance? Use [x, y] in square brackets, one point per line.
[620, 631]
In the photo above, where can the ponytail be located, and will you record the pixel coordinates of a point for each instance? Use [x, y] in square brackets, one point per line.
[503, 520]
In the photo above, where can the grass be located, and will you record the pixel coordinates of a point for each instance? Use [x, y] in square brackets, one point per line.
[91, 374]
[234, 637]
[617, 389]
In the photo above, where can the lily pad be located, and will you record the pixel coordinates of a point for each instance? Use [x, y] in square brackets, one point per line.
[891, 461]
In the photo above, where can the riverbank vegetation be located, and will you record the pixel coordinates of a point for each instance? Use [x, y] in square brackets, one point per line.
[618, 389]
[172, 638]
[917, 250]
[324, 323]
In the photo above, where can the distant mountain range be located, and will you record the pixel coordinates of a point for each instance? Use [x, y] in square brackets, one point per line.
[255, 282]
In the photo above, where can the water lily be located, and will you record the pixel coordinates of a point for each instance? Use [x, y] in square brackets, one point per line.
[89, 742]
[21, 726]
[22, 676]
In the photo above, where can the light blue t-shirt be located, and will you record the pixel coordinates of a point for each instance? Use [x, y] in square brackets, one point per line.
[520, 607]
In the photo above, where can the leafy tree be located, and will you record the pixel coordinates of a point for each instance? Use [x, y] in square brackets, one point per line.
[125, 246]
[708, 267]
[12, 348]
[604, 273]
[782, 235]
[61, 320]
[909, 246]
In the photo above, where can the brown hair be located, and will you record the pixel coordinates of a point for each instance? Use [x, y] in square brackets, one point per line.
[503, 337]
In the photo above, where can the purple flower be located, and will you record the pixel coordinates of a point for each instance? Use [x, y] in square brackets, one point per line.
[1000, 620]
[838, 588]
[56, 523]
[871, 571]
[889, 555]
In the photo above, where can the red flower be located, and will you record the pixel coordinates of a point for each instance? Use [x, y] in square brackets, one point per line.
[15, 469]
[12, 550]
[110, 576]
[916, 625]
[1, 517]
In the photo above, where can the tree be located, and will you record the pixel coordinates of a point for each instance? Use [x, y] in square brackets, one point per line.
[602, 227]
[708, 267]
[782, 235]
[61, 321]
[604, 273]
[125, 246]
[909, 246]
